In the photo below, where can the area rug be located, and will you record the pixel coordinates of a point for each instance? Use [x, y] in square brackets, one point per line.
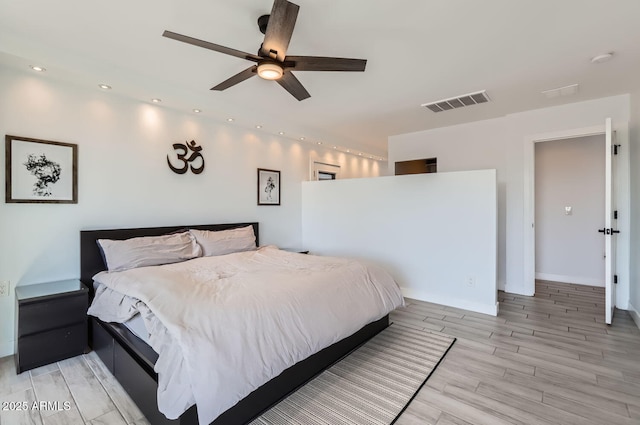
[372, 385]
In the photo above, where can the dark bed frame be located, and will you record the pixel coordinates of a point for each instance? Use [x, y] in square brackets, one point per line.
[131, 360]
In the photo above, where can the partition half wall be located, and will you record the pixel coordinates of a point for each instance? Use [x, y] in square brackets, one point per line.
[435, 233]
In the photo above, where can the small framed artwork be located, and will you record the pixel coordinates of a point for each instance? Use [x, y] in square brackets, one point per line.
[268, 187]
[40, 171]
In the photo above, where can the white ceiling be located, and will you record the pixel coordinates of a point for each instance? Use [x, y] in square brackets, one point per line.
[418, 51]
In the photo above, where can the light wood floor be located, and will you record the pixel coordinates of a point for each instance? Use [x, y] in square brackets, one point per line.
[549, 359]
[93, 395]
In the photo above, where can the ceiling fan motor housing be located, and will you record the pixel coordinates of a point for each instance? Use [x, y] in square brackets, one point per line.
[263, 21]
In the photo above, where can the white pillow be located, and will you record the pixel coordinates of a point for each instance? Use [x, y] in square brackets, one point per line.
[225, 241]
[148, 251]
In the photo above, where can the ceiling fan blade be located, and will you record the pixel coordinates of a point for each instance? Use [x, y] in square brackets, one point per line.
[279, 30]
[238, 78]
[318, 63]
[291, 84]
[211, 46]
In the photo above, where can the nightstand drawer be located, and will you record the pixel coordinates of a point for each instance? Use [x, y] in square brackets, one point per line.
[40, 316]
[51, 346]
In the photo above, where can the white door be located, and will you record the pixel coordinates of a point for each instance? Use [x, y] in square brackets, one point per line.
[609, 231]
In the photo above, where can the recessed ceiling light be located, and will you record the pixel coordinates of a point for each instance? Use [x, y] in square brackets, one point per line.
[230, 119]
[348, 151]
[335, 147]
[197, 111]
[38, 68]
[602, 58]
[302, 138]
[360, 154]
[104, 86]
[156, 100]
[319, 143]
[281, 133]
[258, 126]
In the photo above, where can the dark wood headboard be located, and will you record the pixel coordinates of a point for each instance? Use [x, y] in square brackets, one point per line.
[91, 261]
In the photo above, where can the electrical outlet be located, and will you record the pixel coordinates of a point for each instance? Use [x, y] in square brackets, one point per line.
[5, 286]
[470, 281]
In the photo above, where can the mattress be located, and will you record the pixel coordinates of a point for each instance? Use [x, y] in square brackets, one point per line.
[225, 325]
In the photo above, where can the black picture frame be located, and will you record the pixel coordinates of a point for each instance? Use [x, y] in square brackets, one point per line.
[40, 171]
[268, 187]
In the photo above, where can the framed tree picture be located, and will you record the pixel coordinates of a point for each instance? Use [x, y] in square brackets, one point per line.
[40, 171]
[268, 187]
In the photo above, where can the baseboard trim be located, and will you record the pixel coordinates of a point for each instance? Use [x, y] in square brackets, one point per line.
[517, 290]
[578, 280]
[635, 315]
[491, 310]
[7, 348]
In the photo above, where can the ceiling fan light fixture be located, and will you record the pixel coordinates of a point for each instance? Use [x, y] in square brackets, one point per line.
[270, 71]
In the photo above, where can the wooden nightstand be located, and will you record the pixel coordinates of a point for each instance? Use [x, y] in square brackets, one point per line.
[51, 322]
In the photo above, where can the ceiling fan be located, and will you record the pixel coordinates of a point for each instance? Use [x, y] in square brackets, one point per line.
[272, 62]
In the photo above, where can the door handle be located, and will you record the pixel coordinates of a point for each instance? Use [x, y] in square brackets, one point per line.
[608, 231]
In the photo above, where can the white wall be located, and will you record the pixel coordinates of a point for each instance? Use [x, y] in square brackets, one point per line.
[500, 144]
[351, 166]
[430, 231]
[634, 303]
[124, 180]
[570, 172]
[452, 147]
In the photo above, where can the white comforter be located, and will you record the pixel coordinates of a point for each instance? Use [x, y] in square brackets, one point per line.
[225, 325]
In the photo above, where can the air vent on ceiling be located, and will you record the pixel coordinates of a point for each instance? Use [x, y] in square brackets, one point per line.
[458, 101]
[561, 91]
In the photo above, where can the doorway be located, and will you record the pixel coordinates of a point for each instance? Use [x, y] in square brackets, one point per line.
[617, 193]
[324, 171]
[569, 200]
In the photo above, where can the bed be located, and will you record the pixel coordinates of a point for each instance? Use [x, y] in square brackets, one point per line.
[132, 361]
